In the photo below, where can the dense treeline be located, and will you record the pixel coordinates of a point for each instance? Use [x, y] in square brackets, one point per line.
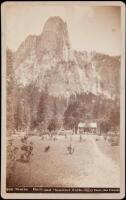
[88, 107]
[10, 101]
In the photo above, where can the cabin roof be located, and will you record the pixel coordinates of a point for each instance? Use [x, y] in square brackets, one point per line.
[87, 125]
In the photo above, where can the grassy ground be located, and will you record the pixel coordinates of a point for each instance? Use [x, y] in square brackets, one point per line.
[93, 163]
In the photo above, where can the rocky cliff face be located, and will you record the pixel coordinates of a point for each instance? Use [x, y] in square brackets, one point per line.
[48, 60]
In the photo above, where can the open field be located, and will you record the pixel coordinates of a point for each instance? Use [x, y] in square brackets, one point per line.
[94, 163]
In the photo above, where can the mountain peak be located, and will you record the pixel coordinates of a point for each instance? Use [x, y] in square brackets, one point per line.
[55, 18]
[49, 59]
[54, 24]
[55, 36]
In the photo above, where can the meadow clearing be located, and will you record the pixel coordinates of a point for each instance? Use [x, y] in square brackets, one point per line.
[93, 163]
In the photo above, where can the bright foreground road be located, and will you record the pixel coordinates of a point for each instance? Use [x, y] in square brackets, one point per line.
[93, 164]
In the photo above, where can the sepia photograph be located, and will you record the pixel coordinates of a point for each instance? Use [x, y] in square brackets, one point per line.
[63, 99]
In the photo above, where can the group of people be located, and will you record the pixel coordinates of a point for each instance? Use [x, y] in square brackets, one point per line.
[27, 148]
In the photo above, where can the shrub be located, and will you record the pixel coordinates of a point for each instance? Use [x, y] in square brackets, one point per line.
[12, 152]
[27, 152]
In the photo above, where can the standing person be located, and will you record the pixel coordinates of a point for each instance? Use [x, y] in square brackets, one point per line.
[80, 138]
[70, 149]
[29, 151]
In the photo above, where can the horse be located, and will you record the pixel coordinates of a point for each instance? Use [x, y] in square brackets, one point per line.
[47, 148]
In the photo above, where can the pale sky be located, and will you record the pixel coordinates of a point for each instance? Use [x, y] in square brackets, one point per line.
[94, 28]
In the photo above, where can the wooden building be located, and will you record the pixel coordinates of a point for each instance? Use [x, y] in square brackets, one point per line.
[87, 128]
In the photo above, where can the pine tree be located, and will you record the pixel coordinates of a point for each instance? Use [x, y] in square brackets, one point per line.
[10, 90]
[53, 123]
[43, 108]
